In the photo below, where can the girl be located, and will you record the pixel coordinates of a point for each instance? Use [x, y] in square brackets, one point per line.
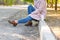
[34, 13]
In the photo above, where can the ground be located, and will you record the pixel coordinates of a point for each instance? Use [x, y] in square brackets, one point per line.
[53, 20]
[21, 32]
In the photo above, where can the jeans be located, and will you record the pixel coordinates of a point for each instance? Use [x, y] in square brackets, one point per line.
[28, 18]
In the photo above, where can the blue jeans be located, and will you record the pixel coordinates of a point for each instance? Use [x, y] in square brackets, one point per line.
[28, 18]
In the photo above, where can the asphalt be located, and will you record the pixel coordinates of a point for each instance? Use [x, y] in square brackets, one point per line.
[20, 32]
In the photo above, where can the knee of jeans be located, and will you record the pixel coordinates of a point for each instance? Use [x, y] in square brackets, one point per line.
[30, 6]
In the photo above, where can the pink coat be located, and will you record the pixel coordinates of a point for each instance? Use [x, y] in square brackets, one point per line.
[40, 6]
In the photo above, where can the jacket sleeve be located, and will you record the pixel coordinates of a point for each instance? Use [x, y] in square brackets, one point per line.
[40, 5]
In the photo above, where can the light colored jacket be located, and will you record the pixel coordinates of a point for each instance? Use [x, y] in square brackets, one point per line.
[40, 6]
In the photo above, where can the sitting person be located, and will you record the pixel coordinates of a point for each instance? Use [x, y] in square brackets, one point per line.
[34, 13]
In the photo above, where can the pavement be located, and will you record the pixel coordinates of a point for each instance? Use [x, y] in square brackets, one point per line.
[20, 32]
